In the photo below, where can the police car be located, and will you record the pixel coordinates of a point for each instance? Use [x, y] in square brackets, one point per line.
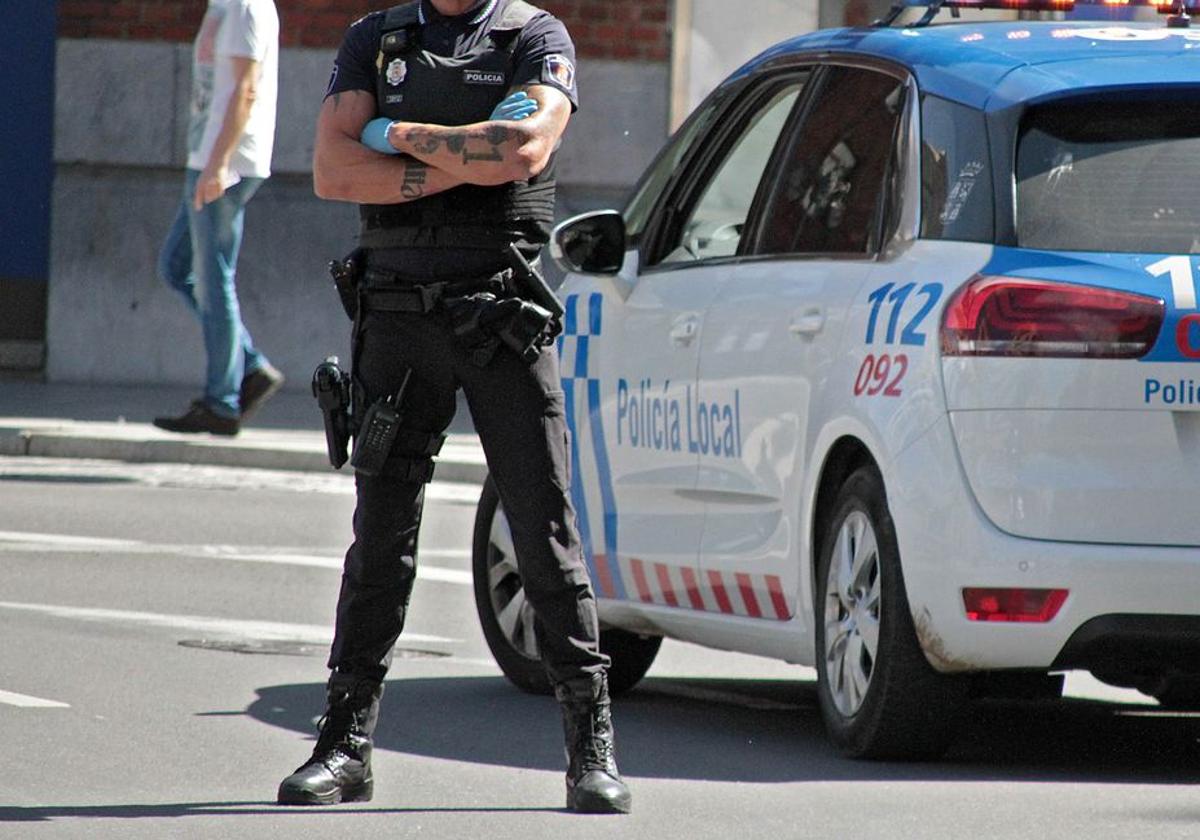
[889, 367]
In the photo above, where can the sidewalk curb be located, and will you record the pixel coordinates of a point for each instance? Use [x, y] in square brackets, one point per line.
[302, 452]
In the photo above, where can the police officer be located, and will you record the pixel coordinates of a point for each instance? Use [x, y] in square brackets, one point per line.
[441, 121]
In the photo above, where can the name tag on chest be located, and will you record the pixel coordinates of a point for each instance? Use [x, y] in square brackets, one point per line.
[483, 77]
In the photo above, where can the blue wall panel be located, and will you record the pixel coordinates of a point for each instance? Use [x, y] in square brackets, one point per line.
[27, 43]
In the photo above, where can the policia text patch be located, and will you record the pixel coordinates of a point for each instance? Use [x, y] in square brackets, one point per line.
[483, 77]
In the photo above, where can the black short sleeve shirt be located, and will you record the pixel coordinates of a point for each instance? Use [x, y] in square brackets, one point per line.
[543, 53]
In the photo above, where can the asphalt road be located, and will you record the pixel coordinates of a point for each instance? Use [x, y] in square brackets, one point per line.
[162, 632]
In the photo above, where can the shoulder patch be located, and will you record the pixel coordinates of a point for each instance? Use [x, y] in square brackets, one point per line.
[559, 69]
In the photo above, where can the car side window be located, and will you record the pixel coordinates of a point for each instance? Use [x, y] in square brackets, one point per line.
[715, 211]
[956, 184]
[638, 210]
[829, 194]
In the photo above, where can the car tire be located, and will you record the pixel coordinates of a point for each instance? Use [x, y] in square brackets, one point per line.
[886, 702]
[507, 619]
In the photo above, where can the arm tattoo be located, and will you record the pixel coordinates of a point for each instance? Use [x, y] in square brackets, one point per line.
[424, 142]
[427, 143]
[337, 100]
[413, 186]
[496, 136]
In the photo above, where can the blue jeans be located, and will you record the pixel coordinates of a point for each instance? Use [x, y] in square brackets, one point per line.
[199, 260]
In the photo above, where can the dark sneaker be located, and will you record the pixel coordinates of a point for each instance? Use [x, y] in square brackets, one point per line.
[200, 418]
[258, 386]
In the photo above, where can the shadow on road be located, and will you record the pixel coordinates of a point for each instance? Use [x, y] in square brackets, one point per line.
[756, 731]
[761, 731]
[209, 809]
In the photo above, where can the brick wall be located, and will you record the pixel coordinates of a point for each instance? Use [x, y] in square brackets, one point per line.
[617, 29]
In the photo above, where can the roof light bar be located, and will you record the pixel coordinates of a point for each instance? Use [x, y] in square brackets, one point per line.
[1021, 5]
[933, 6]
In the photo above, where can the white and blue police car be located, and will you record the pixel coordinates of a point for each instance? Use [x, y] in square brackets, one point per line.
[889, 367]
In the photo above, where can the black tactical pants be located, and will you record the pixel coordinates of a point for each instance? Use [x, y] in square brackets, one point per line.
[518, 412]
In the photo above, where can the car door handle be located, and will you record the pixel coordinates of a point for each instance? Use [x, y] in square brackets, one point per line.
[684, 330]
[808, 321]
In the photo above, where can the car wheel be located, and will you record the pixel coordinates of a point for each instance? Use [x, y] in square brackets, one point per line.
[507, 618]
[879, 696]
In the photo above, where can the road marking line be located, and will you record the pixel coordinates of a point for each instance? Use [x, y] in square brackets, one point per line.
[60, 540]
[11, 698]
[262, 630]
[460, 577]
[28, 541]
[438, 574]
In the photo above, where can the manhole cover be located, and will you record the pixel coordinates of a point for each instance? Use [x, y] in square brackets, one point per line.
[284, 648]
[252, 646]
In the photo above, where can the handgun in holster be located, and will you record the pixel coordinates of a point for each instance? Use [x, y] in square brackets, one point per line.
[347, 276]
[331, 387]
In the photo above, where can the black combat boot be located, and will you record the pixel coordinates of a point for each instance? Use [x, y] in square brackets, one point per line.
[594, 784]
[340, 767]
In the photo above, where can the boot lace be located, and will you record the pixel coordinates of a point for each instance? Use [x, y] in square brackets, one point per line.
[336, 729]
[593, 742]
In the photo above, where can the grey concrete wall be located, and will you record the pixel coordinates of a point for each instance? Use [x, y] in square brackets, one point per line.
[120, 118]
[725, 35]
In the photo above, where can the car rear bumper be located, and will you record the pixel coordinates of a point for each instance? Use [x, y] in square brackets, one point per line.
[947, 543]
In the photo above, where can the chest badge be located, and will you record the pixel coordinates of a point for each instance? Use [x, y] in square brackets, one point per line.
[396, 71]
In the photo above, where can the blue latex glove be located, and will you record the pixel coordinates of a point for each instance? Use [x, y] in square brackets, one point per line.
[374, 136]
[516, 106]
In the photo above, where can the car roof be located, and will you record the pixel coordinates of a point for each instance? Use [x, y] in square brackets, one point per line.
[993, 65]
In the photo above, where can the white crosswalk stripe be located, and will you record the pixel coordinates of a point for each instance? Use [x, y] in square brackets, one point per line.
[234, 628]
[23, 541]
[11, 698]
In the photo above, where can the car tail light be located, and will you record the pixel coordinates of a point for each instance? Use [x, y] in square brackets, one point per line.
[1026, 605]
[1013, 316]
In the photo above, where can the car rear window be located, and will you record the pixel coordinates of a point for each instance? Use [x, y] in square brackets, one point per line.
[1110, 176]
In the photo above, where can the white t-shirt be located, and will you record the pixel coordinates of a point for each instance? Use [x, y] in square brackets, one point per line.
[234, 28]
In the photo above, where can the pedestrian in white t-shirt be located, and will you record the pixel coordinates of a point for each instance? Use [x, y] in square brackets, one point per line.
[231, 133]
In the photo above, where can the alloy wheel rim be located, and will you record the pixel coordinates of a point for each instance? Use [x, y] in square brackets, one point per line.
[852, 602]
[513, 612]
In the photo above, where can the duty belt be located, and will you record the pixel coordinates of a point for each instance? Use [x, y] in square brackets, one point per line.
[387, 291]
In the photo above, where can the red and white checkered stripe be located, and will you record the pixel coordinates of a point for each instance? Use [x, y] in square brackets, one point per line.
[736, 593]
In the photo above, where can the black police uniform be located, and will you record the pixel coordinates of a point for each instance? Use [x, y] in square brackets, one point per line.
[421, 256]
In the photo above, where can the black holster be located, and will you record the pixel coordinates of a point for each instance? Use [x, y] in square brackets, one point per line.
[482, 322]
[331, 387]
[347, 274]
